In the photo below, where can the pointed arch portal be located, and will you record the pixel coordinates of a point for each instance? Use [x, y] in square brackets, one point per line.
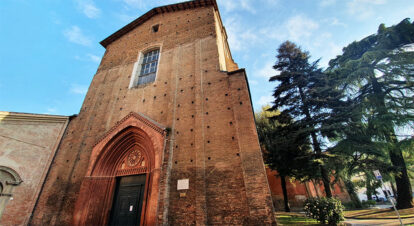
[127, 157]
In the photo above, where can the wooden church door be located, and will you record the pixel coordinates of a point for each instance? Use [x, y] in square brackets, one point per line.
[128, 199]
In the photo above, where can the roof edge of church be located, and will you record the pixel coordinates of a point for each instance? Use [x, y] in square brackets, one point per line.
[157, 10]
[21, 116]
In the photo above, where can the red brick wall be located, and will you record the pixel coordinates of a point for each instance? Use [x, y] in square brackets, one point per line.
[298, 192]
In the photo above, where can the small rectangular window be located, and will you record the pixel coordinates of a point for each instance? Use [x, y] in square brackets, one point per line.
[155, 28]
[149, 67]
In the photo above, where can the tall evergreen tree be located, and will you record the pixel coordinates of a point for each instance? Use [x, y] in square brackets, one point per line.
[295, 96]
[377, 76]
[288, 155]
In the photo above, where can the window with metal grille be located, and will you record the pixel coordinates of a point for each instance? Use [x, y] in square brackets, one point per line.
[149, 67]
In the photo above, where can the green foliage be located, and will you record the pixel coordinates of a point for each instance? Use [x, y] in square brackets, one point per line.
[294, 219]
[368, 203]
[359, 104]
[364, 205]
[288, 157]
[408, 153]
[376, 77]
[350, 206]
[303, 94]
[324, 210]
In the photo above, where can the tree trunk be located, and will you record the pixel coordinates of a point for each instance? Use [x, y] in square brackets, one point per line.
[325, 175]
[352, 194]
[285, 194]
[404, 193]
[369, 190]
[315, 187]
[326, 182]
[394, 191]
[317, 148]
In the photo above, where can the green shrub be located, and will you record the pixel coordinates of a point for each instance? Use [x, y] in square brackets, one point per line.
[324, 210]
[368, 203]
[349, 205]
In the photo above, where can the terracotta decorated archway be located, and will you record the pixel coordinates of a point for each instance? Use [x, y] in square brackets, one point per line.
[133, 146]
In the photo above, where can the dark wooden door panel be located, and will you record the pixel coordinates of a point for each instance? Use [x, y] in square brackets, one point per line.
[127, 205]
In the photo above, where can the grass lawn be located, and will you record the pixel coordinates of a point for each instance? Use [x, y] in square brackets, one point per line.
[291, 218]
[379, 213]
[294, 218]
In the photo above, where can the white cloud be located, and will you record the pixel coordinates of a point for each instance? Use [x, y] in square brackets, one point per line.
[253, 82]
[239, 37]
[363, 9]
[247, 5]
[145, 4]
[50, 110]
[409, 10]
[307, 34]
[321, 45]
[227, 5]
[139, 4]
[266, 71]
[300, 26]
[78, 89]
[233, 5]
[271, 2]
[75, 35]
[165, 2]
[88, 8]
[320, 39]
[325, 3]
[333, 21]
[296, 28]
[94, 58]
[234, 43]
[88, 57]
[265, 100]
[55, 18]
[375, 2]
[125, 17]
[328, 52]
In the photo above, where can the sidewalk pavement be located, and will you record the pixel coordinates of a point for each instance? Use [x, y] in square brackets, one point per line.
[358, 222]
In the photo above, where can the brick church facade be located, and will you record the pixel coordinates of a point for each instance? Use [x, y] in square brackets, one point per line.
[166, 133]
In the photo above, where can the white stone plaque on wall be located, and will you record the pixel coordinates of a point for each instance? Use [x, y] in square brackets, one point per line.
[183, 184]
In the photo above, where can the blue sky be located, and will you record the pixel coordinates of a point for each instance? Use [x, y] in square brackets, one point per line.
[49, 49]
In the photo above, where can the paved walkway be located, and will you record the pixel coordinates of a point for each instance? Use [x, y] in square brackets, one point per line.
[383, 206]
[378, 222]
